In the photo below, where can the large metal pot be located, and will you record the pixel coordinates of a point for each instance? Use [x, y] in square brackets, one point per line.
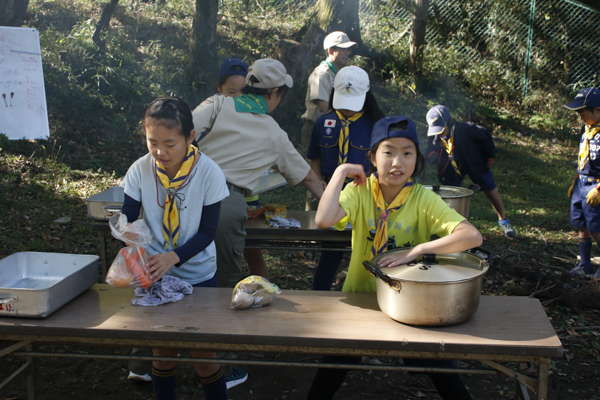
[458, 198]
[433, 290]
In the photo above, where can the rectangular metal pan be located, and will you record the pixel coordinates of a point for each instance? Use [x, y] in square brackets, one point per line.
[34, 284]
[105, 204]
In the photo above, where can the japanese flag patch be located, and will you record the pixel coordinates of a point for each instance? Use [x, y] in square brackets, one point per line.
[329, 123]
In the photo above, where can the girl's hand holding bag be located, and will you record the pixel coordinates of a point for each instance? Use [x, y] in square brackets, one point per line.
[129, 267]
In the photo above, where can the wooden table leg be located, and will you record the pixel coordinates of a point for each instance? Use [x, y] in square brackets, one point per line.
[103, 263]
[31, 390]
[543, 371]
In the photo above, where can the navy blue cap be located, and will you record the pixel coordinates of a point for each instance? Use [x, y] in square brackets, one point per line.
[381, 130]
[588, 97]
[437, 119]
[229, 63]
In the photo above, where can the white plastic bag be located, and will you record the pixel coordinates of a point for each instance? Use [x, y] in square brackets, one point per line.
[253, 291]
[129, 267]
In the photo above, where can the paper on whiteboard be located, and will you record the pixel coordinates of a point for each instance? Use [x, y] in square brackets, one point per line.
[23, 112]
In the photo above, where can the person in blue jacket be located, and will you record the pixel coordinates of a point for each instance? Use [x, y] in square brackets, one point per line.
[459, 149]
[342, 135]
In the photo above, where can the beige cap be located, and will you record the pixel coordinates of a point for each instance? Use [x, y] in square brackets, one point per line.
[338, 39]
[270, 74]
[351, 86]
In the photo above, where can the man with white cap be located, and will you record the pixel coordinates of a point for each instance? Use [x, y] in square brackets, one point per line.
[320, 82]
[463, 148]
[245, 142]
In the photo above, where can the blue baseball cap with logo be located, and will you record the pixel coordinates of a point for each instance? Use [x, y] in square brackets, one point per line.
[382, 131]
[233, 66]
[588, 97]
[437, 119]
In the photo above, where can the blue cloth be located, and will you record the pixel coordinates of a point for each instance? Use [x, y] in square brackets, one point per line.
[592, 167]
[169, 289]
[485, 180]
[582, 214]
[324, 142]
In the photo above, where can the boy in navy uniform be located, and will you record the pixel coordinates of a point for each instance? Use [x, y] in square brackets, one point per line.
[463, 148]
[584, 193]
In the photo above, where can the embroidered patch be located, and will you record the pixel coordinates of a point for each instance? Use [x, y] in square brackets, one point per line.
[208, 101]
[330, 123]
[328, 131]
[348, 87]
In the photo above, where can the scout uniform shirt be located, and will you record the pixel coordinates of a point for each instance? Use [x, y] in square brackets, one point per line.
[324, 143]
[320, 83]
[592, 166]
[246, 144]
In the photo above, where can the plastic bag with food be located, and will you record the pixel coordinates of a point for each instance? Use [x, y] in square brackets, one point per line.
[129, 267]
[253, 291]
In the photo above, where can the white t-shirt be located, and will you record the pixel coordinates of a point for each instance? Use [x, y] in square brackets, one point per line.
[205, 186]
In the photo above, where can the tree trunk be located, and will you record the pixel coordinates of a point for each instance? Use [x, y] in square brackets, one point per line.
[203, 70]
[104, 22]
[417, 37]
[341, 15]
[297, 59]
[12, 12]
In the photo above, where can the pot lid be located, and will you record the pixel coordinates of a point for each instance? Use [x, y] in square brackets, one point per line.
[440, 268]
[450, 192]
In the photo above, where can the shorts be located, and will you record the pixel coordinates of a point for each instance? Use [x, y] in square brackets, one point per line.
[485, 180]
[582, 214]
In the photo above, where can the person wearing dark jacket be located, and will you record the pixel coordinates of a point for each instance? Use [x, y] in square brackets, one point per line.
[464, 148]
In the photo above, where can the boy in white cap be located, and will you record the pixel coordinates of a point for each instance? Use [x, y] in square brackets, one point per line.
[585, 191]
[245, 142]
[320, 82]
[340, 136]
[463, 148]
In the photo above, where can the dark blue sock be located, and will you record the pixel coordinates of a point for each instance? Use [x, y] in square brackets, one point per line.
[585, 253]
[214, 386]
[164, 382]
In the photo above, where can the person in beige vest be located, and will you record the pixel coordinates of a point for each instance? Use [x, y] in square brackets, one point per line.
[240, 136]
[320, 82]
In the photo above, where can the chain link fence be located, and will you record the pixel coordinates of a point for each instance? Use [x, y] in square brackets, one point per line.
[538, 42]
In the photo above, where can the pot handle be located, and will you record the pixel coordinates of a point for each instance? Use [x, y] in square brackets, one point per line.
[483, 253]
[376, 272]
[475, 188]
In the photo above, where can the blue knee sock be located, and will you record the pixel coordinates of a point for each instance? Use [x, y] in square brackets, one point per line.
[585, 253]
[214, 386]
[164, 382]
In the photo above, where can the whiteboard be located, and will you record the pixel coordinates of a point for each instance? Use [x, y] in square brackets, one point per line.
[23, 111]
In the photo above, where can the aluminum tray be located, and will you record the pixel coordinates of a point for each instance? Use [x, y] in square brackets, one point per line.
[105, 204]
[36, 284]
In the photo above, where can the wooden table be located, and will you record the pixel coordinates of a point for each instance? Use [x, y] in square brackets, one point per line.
[260, 236]
[504, 329]
[309, 236]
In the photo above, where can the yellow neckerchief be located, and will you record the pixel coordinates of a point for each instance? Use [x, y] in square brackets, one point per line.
[584, 151]
[344, 139]
[171, 215]
[449, 146]
[380, 242]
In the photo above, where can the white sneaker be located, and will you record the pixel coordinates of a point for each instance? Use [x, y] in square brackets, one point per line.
[140, 378]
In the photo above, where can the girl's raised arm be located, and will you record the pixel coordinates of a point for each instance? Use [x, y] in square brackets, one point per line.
[330, 212]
